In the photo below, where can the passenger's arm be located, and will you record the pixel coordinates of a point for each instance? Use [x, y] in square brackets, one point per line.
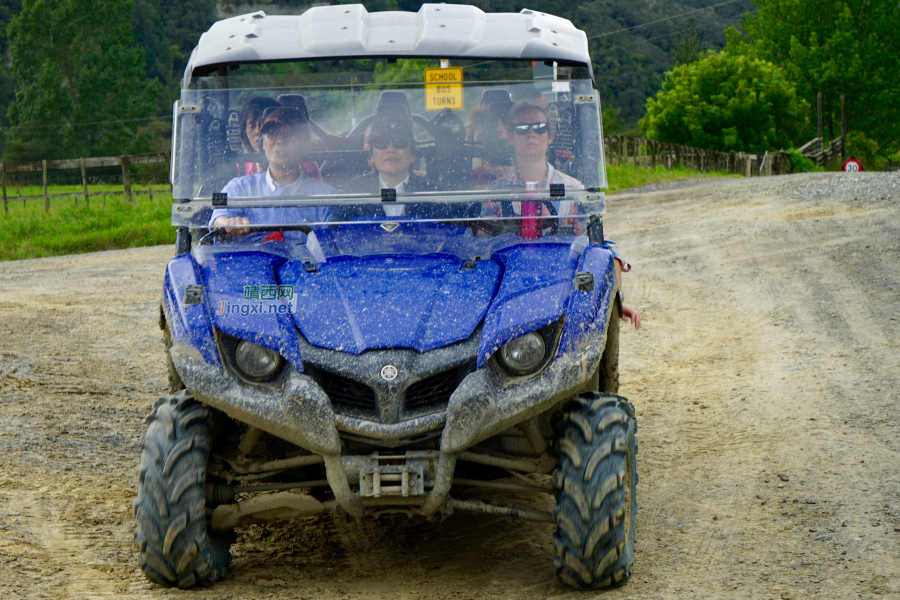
[628, 313]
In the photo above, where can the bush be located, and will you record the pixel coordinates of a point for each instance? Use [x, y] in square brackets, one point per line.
[802, 164]
[726, 102]
[865, 150]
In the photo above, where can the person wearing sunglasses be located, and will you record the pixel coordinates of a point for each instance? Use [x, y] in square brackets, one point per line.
[531, 136]
[392, 154]
[251, 122]
[285, 140]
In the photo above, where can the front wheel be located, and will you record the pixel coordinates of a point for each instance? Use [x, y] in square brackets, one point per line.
[596, 483]
[174, 547]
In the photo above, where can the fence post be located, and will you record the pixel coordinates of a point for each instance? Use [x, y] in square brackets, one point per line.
[87, 202]
[652, 155]
[126, 177]
[46, 196]
[3, 185]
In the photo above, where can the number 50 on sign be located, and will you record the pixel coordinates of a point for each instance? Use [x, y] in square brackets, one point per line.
[443, 89]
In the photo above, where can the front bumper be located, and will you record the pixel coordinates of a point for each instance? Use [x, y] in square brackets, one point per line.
[484, 404]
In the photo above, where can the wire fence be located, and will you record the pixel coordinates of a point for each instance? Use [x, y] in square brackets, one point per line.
[104, 170]
[640, 152]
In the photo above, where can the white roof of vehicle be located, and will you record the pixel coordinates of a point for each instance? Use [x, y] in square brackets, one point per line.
[348, 30]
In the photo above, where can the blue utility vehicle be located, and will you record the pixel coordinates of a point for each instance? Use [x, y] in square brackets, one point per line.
[391, 292]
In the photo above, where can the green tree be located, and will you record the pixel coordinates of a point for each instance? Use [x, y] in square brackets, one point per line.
[688, 46]
[849, 47]
[76, 65]
[612, 120]
[8, 9]
[726, 102]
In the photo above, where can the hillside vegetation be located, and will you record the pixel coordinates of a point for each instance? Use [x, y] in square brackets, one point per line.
[70, 67]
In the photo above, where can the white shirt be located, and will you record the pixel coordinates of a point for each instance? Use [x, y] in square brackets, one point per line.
[289, 188]
[393, 210]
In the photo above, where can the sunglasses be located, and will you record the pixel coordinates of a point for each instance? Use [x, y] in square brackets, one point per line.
[397, 143]
[538, 128]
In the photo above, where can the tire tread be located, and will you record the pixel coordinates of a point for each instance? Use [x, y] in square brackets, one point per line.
[171, 534]
[594, 543]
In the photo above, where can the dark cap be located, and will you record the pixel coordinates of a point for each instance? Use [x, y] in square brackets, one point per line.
[392, 119]
[287, 116]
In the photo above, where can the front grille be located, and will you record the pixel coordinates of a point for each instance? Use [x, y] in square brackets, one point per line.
[433, 392]
[351, 396]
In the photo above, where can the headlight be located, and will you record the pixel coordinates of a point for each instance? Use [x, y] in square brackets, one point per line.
[524, 353]
[256, 362]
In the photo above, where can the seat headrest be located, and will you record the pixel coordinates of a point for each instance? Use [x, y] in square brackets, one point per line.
[394, 97]
[392, 111]
[495, 95]
[294, 101]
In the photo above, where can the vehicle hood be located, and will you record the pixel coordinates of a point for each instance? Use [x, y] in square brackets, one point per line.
[358, 302]
[354, 304]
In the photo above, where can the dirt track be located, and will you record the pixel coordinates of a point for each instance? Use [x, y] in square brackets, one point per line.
[769, 349]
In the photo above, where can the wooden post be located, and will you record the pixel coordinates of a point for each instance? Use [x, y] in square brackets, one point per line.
[652, 155]
[46, 195]
[126, 177]
[87, 201]
[819, 121]
[3, 185]
[843, 130]
[746, 165]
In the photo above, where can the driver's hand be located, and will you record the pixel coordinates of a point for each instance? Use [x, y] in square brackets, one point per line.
[230, 222]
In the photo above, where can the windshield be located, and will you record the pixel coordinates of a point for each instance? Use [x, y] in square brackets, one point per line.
[499, 147]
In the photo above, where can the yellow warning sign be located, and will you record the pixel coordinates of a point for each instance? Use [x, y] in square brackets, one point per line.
[443, 89]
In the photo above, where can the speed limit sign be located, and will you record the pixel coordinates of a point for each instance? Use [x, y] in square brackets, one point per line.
[852, 166]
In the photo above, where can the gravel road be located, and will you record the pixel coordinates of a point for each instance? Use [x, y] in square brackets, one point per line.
[765, 380]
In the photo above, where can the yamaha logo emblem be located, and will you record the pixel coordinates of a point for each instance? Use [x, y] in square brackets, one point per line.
[390, 227]
[389, 372]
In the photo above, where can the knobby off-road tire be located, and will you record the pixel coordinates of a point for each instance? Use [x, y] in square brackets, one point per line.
[595, 501]
[174, 546]
[175, 383]
[609, 362]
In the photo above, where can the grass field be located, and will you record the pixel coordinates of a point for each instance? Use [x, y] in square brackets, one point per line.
[111, 222]
[622, 177]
